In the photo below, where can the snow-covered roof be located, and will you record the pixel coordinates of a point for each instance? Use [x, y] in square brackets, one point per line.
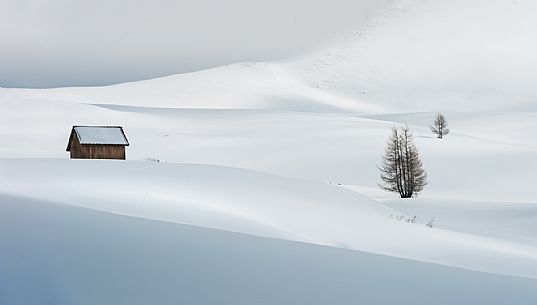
[106, 135]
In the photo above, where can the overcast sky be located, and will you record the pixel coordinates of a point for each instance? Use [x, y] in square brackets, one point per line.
[50, 43]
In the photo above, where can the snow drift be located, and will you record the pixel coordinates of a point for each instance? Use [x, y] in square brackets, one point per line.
[59, 254]
[259, 204]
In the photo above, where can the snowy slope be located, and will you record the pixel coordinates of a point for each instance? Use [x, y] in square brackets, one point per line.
[337, 148]
[238, 86]
[259, 204]
[58, 254]
[423, 55]
[434, 55]
[508, 221]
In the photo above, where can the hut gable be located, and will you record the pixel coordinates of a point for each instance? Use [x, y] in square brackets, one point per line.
[97, 142]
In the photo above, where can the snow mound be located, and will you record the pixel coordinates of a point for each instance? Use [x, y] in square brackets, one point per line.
[204, 195]
[238, 86]
[258, 204]
[58, 254]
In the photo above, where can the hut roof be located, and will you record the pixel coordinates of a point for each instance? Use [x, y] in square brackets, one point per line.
[104, 135]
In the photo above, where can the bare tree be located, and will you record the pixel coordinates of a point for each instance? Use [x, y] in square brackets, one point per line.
[401, 169]
[440, 126]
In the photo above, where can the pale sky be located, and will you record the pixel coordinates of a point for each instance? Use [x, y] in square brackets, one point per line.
[51, 43]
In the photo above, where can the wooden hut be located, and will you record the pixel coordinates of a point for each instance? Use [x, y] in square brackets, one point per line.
[97, 142]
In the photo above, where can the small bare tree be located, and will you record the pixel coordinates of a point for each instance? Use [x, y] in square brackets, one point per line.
[401, 169]
[440, 126]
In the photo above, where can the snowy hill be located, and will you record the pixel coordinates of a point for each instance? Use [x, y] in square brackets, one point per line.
[435, 56]
[286, 152]
[413, 56]
[238, 86]
[62, 254]
[259, 204]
